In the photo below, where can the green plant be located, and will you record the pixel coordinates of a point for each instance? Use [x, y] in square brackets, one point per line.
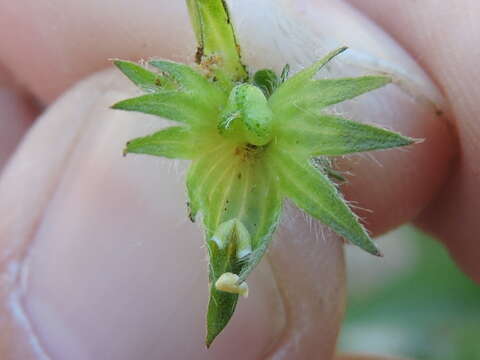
[254, 140]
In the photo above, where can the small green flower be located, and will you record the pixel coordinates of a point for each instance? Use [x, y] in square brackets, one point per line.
[253, 142]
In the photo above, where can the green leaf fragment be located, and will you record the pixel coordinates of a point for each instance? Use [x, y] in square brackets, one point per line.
[313, 192]
[334, 175]
[267, 81]
[285, 73]
[173, 142]
[325, 165]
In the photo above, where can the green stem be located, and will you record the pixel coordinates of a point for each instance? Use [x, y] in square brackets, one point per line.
[218, 52]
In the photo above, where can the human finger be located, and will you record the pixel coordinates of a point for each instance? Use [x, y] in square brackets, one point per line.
[405, 115]
[452, 61]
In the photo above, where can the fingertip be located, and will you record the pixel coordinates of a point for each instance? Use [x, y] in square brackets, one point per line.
[447, 56]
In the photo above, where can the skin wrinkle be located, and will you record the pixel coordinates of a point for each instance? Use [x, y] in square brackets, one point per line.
[18, 252]
[286, 306]
[9, 81]
[427, 34]
[18, 308]
[25, 249]
[15, 119]
[6, 77]
[368, 57]
[428, 37]
[18, 112]
[15, 255]
[297, 310]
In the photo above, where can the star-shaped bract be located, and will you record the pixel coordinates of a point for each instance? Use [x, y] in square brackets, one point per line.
[252, 146]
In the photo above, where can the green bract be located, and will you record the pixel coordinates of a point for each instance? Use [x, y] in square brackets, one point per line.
[252, 144]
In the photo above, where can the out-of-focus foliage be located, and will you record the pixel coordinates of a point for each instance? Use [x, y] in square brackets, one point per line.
[422, 308]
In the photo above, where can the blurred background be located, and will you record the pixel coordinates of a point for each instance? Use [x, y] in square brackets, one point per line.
[412, 303]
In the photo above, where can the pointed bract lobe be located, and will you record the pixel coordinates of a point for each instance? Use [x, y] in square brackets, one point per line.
[221, 305]
[172, 105]
[145, 79]
[315, 95]
[174, 143]
[289, 87]
[192, 82]
[313, 192]
[321, 134]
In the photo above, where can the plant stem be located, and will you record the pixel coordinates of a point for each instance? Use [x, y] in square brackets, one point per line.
[218, 52]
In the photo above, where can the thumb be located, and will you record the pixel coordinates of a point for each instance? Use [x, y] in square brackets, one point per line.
[100, 261]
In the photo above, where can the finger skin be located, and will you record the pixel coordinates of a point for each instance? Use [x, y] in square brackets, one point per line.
[406, 178]
[62, 42]
[364, 357]
[16, 117]
[452, 60]
[17, 114]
